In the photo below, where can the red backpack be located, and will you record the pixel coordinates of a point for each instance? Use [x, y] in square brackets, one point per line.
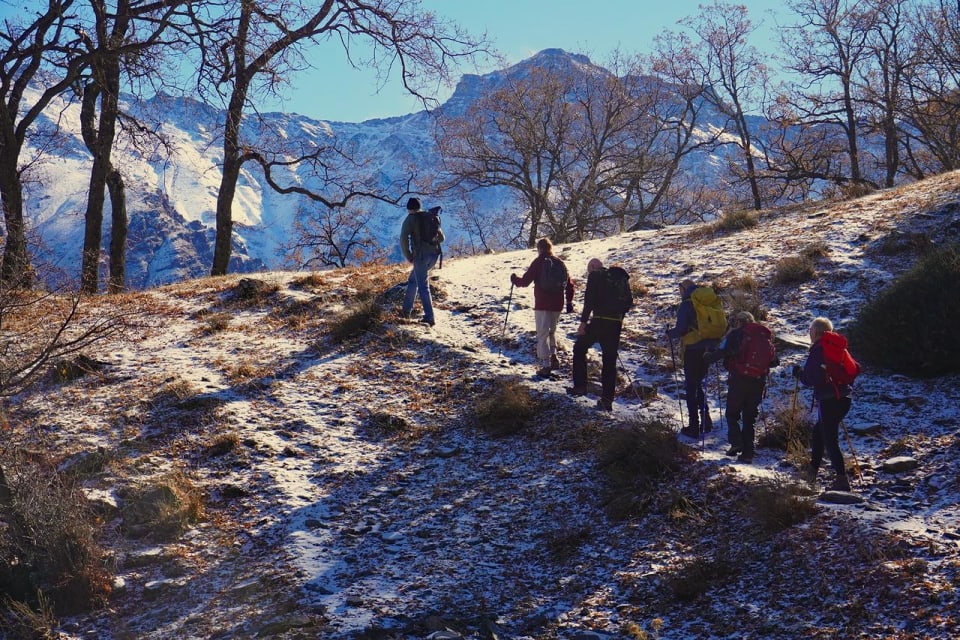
[756, 351]
[839, 366]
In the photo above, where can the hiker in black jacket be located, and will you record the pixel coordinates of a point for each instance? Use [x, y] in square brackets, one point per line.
[600, 322]
[747, 378]
[833, 403]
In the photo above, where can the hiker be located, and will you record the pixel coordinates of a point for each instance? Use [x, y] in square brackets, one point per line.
[694, 368]
[607, 299]
[423, 254]
[748, 353]
[833, 402]
[551, 285]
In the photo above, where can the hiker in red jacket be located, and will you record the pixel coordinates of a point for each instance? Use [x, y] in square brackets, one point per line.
[833, 403]
[551, 283]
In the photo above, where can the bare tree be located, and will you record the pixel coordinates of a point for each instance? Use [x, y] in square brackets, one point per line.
[829, 49]
[930, 116]
[255, 45]
[126, 34]
[737, 75]
[334, 237]
[41, 51]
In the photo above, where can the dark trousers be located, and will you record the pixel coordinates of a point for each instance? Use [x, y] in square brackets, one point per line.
[606, 333]
[694, 372]
[826, 434]
[744, 396]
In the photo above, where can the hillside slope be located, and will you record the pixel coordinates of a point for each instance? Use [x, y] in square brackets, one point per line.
[350, 493]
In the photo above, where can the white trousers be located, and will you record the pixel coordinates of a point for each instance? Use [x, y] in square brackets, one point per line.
[546, 335]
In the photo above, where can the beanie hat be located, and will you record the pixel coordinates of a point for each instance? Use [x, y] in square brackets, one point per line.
[413, 204]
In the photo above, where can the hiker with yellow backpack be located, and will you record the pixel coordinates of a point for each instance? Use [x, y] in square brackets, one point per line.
[700, 325]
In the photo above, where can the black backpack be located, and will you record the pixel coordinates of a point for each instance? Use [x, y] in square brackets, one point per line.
[553, 275]
[616, 298]
[429, 227]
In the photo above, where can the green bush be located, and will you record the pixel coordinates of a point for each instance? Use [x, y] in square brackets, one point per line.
[911, 325]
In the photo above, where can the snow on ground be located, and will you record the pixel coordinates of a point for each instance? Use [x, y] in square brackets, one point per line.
[324, 523]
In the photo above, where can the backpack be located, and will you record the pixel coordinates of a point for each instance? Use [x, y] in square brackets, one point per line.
[429, 227]
[615, 298]
[711, 321]
[839, 365]
[756, 351]
[553, 275]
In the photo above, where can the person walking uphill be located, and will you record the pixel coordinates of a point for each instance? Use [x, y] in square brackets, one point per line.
[420, 241]
[748, 354]
[607, 299]
[833, 400]
[551, 283]
[698, 306]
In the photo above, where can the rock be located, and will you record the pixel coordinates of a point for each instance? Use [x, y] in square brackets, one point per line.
[900, 464]
[866, 430]
[840, 497]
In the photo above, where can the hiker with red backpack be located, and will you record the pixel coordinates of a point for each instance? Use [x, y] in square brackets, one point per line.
[748, 353]
[551, 284]
[830, 370]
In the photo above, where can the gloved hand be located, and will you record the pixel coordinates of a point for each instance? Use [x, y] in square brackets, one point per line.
[569, 307]
[796, 371]
[513, 278]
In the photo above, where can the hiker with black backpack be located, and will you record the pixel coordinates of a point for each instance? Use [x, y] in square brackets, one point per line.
[700, 325]
[748, 353]
[551, 285]
[830, 375]
[420, 241]
[606, 301]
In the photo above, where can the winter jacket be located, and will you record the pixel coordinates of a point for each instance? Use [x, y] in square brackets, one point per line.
[408, 238]
[544, 300]
[814, 375]
[593, 302]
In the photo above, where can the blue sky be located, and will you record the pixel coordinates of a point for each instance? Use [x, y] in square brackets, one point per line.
[518, 29]
[332, 90]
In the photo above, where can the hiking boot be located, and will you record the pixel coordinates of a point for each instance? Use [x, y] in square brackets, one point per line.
[577, 391]
[544, 372]
[605, 405]
[840, 484]
[745, 457]
[428, 322]
[691, 432]
[554, 362]
[405, 315]
[732, 451]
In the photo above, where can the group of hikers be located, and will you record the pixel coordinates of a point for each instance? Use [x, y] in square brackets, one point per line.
[744, 345]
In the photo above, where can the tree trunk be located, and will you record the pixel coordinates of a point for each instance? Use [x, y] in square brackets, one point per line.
[118, 233]
[228, 183]
[93, 230]
[15, 267]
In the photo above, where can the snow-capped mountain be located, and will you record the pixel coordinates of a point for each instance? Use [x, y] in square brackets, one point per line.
[171, 196]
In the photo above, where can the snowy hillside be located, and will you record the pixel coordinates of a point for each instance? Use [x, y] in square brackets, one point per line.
[172, 198]
[358, 498]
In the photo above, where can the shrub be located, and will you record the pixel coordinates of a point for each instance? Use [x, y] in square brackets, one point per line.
[789, 431]
[506, 409]
[775, 505]
[737, 220]
[793, 269]
[161, 508]
[48, 543]
[910, 327]
[634, 460]
[700, 575]
[359, 318]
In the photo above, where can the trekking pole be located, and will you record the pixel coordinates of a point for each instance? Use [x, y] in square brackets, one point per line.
[503, 331]
[719, 395]
[676, 379]
[853, 453]
[636, 392]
